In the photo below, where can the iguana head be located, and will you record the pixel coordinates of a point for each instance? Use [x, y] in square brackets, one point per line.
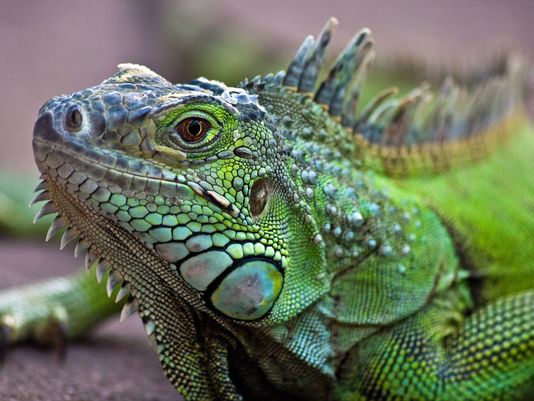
[195, 173]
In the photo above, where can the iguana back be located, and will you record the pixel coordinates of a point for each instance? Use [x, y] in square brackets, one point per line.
[487, 207]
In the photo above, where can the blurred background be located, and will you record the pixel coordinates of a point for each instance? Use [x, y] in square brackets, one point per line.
[53, 47]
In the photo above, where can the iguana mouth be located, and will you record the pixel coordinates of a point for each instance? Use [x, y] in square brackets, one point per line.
[116, 254]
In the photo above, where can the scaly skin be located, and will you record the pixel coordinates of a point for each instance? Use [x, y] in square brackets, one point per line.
[279, 246]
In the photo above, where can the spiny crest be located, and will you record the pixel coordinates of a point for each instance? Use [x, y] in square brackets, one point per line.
[115, 283]
[344, 76]
[339, 91]
[393, 126]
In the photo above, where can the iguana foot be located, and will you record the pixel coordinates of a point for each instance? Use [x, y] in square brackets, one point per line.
[24, 321]
[53, 312]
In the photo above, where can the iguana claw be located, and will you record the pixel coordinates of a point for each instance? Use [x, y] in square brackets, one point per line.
[54, 333]
[4, 342]
[60, 339]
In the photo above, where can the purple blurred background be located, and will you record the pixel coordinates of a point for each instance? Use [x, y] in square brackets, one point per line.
[51, 47]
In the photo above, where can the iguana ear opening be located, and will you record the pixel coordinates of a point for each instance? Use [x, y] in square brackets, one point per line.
[260, 193]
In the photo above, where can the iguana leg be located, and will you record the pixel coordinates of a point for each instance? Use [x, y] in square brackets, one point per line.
[52, 311]
[489, 357]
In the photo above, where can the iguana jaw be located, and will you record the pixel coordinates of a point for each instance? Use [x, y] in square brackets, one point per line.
[155, 291]
[70, 178]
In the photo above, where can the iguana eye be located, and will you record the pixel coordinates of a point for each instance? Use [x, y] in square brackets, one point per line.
[193, 129]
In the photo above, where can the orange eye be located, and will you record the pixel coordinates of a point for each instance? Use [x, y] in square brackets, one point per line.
[193, 129]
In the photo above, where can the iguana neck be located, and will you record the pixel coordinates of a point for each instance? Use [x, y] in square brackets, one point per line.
[352, 207]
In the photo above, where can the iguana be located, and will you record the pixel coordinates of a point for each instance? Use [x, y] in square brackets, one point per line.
[281, 244]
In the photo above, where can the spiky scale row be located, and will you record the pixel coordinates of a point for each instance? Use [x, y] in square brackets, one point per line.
[394, 128]
[332, 91]
[47, 209]
[296, 67]
[102, 268]
[90, 260]
[55, 227]
[315, 59]
[40, 197]
[113, 281]
[304, 69]
[369, 112]
[81, 247]
[340, 90]
[122, 293]
[69, 235]
[130, 307]
[42, 185]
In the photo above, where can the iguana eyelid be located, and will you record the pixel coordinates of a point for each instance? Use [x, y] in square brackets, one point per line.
[170, 102]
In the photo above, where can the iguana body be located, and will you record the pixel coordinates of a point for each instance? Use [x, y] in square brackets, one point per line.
[280, 246]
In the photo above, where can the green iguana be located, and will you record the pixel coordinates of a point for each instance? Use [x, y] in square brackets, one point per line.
[280, 244]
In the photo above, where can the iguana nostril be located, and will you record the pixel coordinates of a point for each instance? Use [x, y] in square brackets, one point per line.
[73, 118]
[44, 129]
